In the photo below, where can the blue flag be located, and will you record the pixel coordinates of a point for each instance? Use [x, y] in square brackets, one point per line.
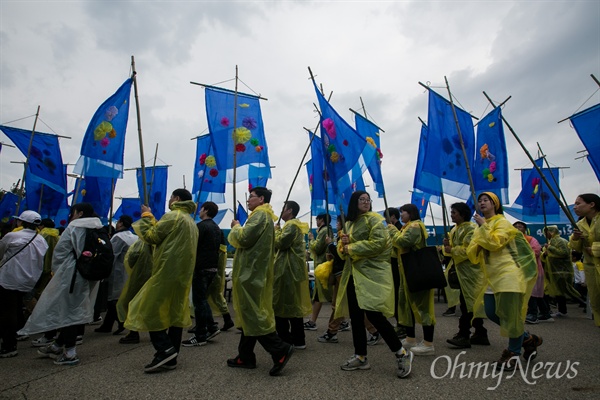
[370, 132]
[420, 200]
[45, 159]
[490, 169]
[104, 141]
[8, 206]
[96, 191]
[444, 155]
[426, 184]
[587, 126]
[258, 177]
[343, 148]
[241, 214]
[209, 180]
[156, 188]
[131, 207]
[250, 143]
[535, 198]
[42, 198]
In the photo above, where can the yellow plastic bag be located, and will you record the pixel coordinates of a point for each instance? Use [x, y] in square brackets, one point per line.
[323, 271]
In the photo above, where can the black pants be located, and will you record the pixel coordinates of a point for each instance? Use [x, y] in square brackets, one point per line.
[165, 339]
[357, 318]
[67, 336]
[272, 343]
[204, 316]
[11, 316]
[538, 303]
[464, 322]
[291, 330]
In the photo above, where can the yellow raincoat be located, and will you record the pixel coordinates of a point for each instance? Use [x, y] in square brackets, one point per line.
[51, 235]
[138, 264]
[318, 251]
[216, 300]
[510, 269]
[291, 294]
[559, 268]
[412, 236]
[591, 261]
[163, 301]
[368, 263]
[470, 276]
[253, 272]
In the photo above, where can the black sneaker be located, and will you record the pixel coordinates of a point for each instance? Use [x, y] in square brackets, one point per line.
[227, 325]
[328, 338]
[194, 341]
[345, 326]
[280, 363]
[171, 365]
[530, 346]
[8, 353]
[460, 342]
[479, 339]
[130, 338]
[310, 326]
[451, 312]
[212, 334]
[160, 359]
[238, 363]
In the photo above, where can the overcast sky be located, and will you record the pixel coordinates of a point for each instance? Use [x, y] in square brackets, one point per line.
[69, 56]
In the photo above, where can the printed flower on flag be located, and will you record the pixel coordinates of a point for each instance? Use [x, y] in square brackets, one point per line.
[240, 147]
[242, 135]
[371, 141]
[110, 113]
[214, 172]
[202, 159]
[225, 122]
[485, 154]
[249, 123]
[211, 161]
[329, 127]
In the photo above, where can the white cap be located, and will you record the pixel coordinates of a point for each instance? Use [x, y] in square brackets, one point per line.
[30, 216]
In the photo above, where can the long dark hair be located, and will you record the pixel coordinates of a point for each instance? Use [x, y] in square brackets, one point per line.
[353, 205]
[412, 211]
[591, 198]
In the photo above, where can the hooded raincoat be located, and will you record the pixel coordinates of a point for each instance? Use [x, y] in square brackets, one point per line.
[591, 260]
[291, 295]
[413, 236]
[252, 275]
[470, 276]
[116, 281]
[510, 269]
[163, 300]
[557, 257]
[138, 265]
[56, 307]
[368, 263]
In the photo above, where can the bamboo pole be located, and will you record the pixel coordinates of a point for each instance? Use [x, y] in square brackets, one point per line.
[41, 197]
[37, 114]
[462, 145]
[139, 125]
[562, 206]
[77, 187]
[153, 169]
[233, 137]
[112, 203]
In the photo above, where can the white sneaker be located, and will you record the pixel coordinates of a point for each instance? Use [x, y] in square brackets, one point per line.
[408, 345]
[41, 342]
[423, 350]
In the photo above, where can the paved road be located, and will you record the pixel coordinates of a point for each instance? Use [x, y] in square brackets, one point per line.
[109, 370]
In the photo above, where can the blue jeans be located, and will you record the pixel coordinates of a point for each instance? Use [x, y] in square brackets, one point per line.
[514, 344]
[204, 316]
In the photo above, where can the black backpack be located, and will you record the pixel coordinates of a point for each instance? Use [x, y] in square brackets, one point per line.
[96, 260]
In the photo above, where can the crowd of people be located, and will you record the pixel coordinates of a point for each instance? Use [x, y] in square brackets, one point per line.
[500, 273]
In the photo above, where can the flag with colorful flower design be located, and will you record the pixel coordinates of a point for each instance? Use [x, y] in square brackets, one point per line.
[370, 132]
[209, 180]
[104, 141]
[45, 159]
[346, 153]
[490, 169]
[535, 198]
[444, 155]
[224, 108]
[156, 188]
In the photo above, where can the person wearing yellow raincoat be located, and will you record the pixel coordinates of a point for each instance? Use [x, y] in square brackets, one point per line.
[556, 255]
[413, 306]
[252, 285]
[470, 276]
[318, 251]
[510, 269]
[138, 265]
[367, 286]
[50, 233]
[161, 305]
[586, 240]
[291, 295]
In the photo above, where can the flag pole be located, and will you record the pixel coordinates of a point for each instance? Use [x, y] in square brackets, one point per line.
[153, 168]
[37, 114]
[538, 169]
[551, 174]
[462, 145]
[235, 95]
[111, 210]
[41, 197]
[139, 124]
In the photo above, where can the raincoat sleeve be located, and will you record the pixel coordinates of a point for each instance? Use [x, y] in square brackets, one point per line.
[318, 245]
[284, 237]
[119, 246]
[558, 248]
[496, 237]
[407, 238]
[459, 250]
[154, 232]
[247, 236]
